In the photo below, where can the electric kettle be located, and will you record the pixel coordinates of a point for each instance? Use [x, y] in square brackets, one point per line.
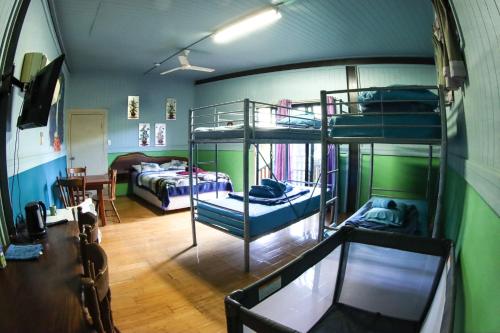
[36, 219]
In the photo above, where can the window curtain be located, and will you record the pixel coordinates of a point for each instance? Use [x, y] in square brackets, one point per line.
[281, 171]
[331, 109]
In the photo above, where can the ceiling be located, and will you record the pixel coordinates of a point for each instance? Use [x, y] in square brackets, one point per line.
[131, 35]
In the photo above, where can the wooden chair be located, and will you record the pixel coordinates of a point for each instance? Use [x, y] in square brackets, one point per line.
[71, 190]
[76, 172]
[110, 195]
[87, 223]
[96, 291]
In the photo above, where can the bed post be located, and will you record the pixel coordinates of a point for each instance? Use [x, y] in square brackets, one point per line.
[436, 230]
[324, 165]
[337, 177]
[371, 171]
[246, 215]
[190, 164]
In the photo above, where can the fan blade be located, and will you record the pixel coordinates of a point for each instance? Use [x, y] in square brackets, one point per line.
[201, 69]
[171, 70]
[183, 60]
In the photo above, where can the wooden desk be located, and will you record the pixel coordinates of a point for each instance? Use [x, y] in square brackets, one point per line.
[97, 182]
[44, 295]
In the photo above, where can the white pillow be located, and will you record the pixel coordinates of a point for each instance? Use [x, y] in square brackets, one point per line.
[165, 165]
[137, 167]
[177, 165]
[150, 167]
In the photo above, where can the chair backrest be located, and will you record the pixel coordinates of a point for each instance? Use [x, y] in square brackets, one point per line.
[87, 223]
[112, 183]
[97, 295]
[71, 190]
[76, 172]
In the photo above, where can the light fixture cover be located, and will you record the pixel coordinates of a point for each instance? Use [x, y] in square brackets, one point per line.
[246, 25]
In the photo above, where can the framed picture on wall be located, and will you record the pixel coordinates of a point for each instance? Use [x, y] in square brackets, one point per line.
[133, 107]
[171, 109]
[160, 131]
[144, 135]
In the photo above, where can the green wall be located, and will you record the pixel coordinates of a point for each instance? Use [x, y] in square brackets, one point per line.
[475, 228]
[407, 173]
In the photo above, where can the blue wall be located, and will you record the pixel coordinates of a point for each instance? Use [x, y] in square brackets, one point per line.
[109, 91]
[37, 184]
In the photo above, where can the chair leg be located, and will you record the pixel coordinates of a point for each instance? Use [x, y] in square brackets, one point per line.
[116, 212]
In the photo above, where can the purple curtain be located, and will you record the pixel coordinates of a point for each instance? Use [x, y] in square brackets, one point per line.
[331, 110]
[280, 154]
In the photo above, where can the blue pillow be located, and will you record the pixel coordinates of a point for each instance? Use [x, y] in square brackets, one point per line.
[383, 203]
[384, 216]
[277, 186]
[263, 191]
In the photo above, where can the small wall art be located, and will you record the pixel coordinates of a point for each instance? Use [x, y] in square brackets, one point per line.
[133, 107]
[144, 135]
[171, 109]
[160, 131]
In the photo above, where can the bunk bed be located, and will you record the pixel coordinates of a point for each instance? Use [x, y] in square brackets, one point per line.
[244, 122]
[388, 115]
[355, 281]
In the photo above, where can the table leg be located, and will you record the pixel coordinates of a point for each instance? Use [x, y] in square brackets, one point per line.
[102, 214]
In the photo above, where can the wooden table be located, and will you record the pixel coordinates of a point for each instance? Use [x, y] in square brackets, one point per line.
[44, 295]
[97, 182]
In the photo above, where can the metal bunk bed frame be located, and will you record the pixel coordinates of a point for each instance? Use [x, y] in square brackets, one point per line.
[248, 139]
[327, 139]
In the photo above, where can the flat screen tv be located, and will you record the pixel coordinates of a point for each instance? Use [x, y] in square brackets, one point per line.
[38, 96]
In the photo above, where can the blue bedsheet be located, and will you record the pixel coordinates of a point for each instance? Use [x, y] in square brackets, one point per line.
[416, 222]
[227, 213]
[418, 96]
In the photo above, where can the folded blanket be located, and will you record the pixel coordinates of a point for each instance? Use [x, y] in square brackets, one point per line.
[409, 225]
[264, 191]
[23, 252]
[293, 194]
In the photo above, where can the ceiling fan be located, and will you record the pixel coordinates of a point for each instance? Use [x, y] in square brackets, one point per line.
[186, 66]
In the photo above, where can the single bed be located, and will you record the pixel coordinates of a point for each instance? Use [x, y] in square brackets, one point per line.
[161, 193]
[354, 281]
[416, 220]
[227, 213]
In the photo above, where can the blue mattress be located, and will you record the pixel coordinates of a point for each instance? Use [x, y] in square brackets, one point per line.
[426, 120]
[227, 213]
[417, 227]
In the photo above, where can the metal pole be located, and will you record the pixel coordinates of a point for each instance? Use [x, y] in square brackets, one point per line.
[436, 232]
[246, 215]
[324, 165]
[429, 175]
[371, 172]
[216, 171]
[257, 166]
[337, 177]
[190, 143]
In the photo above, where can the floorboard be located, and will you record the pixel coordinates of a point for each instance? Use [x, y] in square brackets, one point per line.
[160, 283]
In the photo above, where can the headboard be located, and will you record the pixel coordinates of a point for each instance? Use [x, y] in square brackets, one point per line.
[123, 163]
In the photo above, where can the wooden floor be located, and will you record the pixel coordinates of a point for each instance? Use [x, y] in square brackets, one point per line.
[160, 283]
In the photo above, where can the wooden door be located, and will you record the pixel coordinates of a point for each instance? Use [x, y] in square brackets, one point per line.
[88, 143]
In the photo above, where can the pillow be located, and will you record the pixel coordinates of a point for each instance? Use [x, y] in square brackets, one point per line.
[165, 166]
[177, 165]
[150, 167]
[385, 216]
[137, 167]
[383, 203]
[263, 191]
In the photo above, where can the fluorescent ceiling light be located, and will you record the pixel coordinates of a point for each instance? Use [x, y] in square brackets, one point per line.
[247, 25]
